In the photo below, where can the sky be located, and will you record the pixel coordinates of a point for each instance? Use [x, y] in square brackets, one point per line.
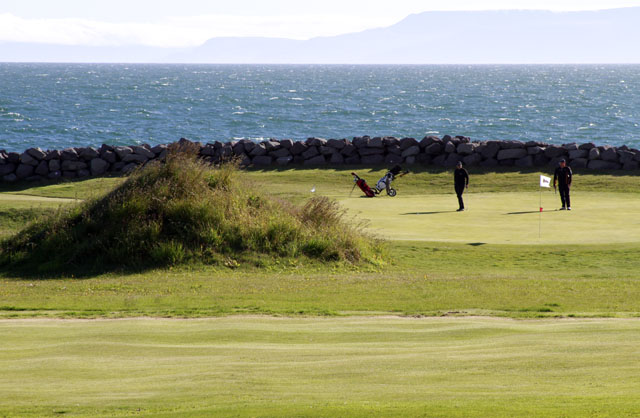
[185, 23]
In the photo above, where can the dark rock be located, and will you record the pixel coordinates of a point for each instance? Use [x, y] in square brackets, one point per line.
[208, 150]
[588, 146]
[511, 154]
[54, 165]
[554, 162]
[141, 150]
[539, 144]
[430, 139]
[352, 160]
[465, 148]
[128, 168]
[489, 150]
[410, 160]
[311, 153]
[394, 149]
[408, 152]
[325, 150]
[99, 166]
[579, 162]
[393, 159]
[336, 158]
[389, 141]
[408, 143]
[284, 160]
[42, 169]
[83, 173]
[13, 157]
[570, 147]
[133, 158]
[259, 150]
[553, 151]
[540, 160]
[578, 153]
[68, 165]
[122, 151]
[609, 154]
[117, 167]
[337, 143]
[286, 143]
[349, 150]
[370, 151]
[37, 153]
[26, 158]
[24, 170]
[376, 142]
[360, 142]
[156, 150]
[35, 178]
[109, 156]
[452, 160]
[317, 160]
[271, 145]
[10, 178]
[491, 162]
[316, 142]
[372, 159]
[279, 153]
[7, 169]
[54, 175]
[631, 165]
[433, 149]
[423, 159]
[450, 147]
[526, 161]
[509, 162]
[472, 160]
[535, 150]
[625, 156]
[511, 144]
[447, 138]
[69, 174]
[262, 160]
[439, 160]
[298, 148]
[594, 154]
[602, 165]
[89, 154]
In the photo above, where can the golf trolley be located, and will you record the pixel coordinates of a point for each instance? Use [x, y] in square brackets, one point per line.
[383, 184]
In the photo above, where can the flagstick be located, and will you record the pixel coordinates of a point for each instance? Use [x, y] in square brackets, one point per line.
[540, 216]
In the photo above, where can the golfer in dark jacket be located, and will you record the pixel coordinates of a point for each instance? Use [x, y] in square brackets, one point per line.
[563, 176]
[461, 182]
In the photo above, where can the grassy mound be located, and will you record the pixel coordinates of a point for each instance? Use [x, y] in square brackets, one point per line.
[185, 211]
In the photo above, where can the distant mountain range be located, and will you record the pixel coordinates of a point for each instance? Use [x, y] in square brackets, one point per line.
[606, 36]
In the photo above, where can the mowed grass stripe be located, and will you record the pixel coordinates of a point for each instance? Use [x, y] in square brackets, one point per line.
[247, 366]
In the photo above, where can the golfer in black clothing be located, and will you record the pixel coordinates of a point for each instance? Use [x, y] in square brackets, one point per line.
[461, 182]
[563, 176]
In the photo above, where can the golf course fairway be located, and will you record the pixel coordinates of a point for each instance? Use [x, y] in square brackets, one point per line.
[271, 367]
[498, 311]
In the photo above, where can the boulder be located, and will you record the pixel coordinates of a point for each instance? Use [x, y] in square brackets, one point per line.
[325, 150]
[109, 156]
[511, 154]
[42, 169]
[465, 148]
[602, 165]
[349, 150]
[259, 150]
[553, 151]
[433, 149]
[262, 160]
[298, 148]
[360, 141]
[336, 158]
[392, 159]
[540, 160]
[24, 170]
[128, 168]
[352, 160]
[98, 166]
[489, 150]
[413, 150]
[472, 160]
[535, 150]
[54, 165]
[579, 162]
[376, 142]
[286, 143]
[271, 145]
[452, 160]
[609, 154]
[37, 153]
[317, 160]
[588, 146]
[390, 141]
[7, 168]
[423, 159]
[410, 160]
[626, 156]
[135, 158]
[337, 143]
[594, 154]
[122, 151]
[570, 147]
[439, 160]
[145, 152]
[408, 143]
[511, 144]
[490, 162]
[26, 158]
[84, 173]
[282, 161]
[54, 175]
[370, 151]
[10, 178]
[156, 150]
[631, 165]
[578, 153]
[68, 165]
[316, 142]
[450, 147]
[394, 149]
[372, 159]
[311, 152]
[279, 153]
[208, 150]
[88, 154]
[13, 157]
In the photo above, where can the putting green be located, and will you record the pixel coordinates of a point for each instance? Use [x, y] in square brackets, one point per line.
[507, 218]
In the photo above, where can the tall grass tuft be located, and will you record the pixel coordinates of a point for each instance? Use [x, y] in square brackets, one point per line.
[185, 211]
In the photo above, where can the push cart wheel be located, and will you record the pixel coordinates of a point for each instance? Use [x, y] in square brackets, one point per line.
[391, 192]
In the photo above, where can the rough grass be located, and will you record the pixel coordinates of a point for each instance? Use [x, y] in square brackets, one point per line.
[184, 211]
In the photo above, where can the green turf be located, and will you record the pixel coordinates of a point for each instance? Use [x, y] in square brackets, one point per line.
[361, 367]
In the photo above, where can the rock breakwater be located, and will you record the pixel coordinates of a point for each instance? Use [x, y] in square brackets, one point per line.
[35, 164]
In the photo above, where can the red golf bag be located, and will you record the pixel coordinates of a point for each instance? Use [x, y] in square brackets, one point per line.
[362, 184]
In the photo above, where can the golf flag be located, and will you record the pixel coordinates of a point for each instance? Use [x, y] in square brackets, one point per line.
[545, 181]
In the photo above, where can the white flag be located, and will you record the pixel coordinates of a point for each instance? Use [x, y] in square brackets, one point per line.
[545, 181]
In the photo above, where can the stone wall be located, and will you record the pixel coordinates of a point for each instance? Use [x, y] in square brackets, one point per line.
[35, 164]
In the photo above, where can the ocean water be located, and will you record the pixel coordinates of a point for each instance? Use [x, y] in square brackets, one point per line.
[55, 106]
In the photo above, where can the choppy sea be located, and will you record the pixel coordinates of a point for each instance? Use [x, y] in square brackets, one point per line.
[55, 106]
